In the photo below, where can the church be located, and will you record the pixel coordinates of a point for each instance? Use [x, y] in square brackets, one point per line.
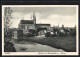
[27, 25]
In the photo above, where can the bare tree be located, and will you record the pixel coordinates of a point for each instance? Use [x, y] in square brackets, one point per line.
[7, 20]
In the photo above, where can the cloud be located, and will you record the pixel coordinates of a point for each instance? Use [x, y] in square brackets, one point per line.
[69, 20]
[17, 16]
[53, 19]
[27, 17]
[55, 16]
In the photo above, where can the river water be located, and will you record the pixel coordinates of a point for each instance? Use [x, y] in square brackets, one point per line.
[27, 46]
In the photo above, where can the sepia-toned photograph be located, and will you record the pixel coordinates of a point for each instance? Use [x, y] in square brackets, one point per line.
[40, 30]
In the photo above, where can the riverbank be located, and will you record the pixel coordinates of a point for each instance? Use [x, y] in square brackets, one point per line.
[66, 43]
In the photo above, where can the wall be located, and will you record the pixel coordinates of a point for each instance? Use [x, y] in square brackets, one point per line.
[26, 28]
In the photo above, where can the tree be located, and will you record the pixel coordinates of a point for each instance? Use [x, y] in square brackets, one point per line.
[48, 34]
[8, 46]
[7, 21]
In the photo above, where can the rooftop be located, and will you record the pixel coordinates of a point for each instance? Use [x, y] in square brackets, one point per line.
[26, 22]
[43, 24]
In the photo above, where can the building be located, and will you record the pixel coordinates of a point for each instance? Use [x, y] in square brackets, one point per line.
[43, 28]
[27, 25]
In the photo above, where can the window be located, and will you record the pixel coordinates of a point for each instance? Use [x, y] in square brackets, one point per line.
[23, 26]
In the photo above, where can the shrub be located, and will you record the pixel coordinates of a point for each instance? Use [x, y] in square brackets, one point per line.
[29, 35]
[48, 34]
[9, 47]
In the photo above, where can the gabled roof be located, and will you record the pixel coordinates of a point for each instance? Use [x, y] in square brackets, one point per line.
[26, 22]
[42, 24]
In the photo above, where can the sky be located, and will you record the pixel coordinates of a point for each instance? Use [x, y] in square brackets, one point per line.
[45, 15]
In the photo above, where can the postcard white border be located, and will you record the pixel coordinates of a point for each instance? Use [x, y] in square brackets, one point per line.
[40, 53]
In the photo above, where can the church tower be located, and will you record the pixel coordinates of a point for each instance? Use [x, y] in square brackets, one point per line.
[34, 18]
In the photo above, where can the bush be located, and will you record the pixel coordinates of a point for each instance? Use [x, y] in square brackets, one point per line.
[8, 36]
[62, 34]
[9, 47]
[29, 35]
[73, 33]
[53, 35]
[48, 34]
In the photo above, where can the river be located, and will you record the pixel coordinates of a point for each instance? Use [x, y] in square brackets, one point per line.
[27, 46]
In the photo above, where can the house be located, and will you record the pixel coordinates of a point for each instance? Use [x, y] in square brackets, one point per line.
[26, 25]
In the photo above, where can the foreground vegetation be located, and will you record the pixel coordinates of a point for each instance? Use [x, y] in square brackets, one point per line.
[66, 43]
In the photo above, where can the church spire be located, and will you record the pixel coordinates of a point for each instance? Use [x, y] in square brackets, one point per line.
[34, 18]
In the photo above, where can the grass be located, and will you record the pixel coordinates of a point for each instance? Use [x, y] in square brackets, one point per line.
[66, 43]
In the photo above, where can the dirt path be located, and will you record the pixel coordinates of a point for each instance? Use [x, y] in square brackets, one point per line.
[27, 46]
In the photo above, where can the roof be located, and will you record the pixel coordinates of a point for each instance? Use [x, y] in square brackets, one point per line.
[43, 24]
[15, 29]
[26, 22]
